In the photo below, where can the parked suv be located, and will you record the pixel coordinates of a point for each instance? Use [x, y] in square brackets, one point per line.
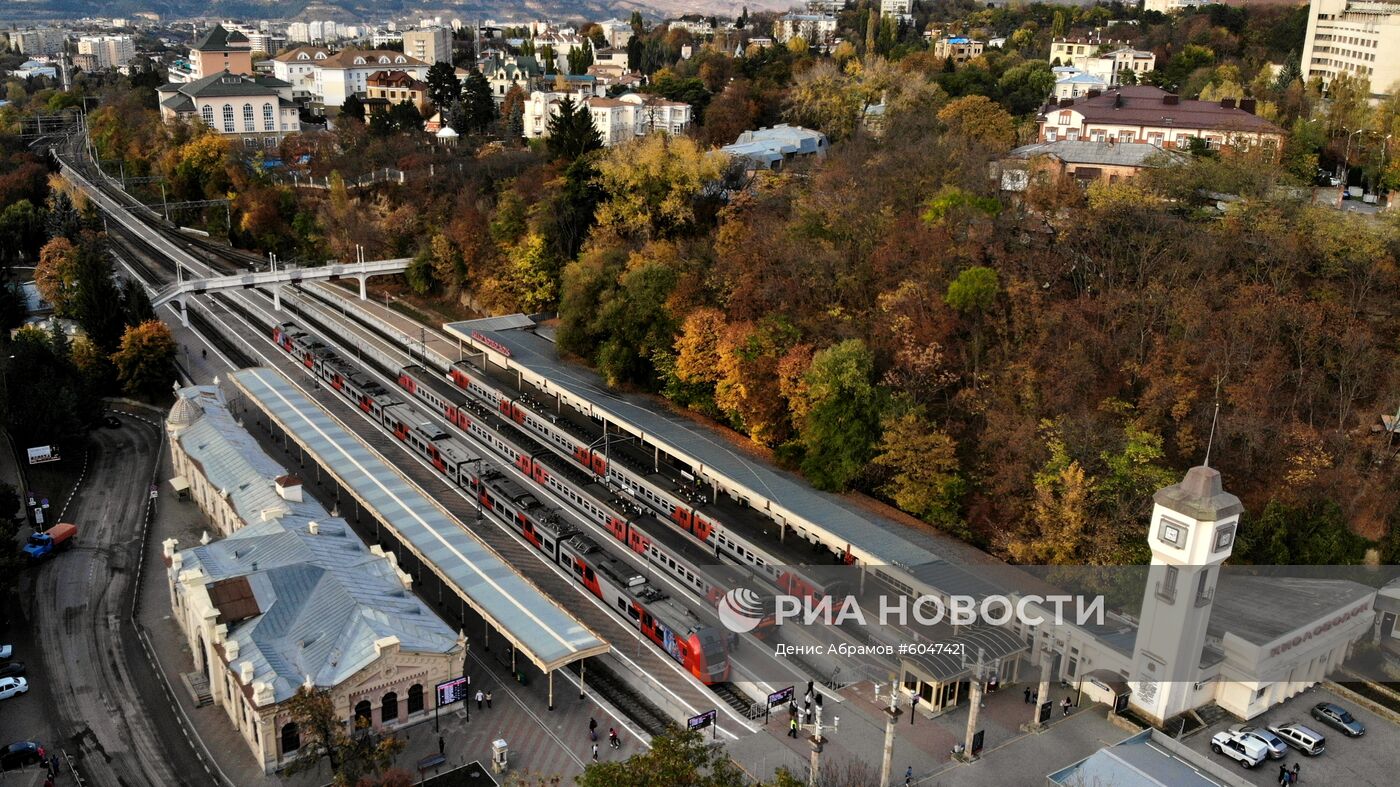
[1244, 749]
[10, 687]
[1301, 737]
[1336, 716]
[1277, 748]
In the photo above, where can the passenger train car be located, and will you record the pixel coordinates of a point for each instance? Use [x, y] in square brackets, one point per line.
[684, 514]
[699, 648]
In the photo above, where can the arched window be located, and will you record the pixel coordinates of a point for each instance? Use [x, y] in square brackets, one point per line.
[228, 118]
[291, 737]
[269, 120]
[207, 112]
[362, 714]
[248, 124]
[415, 698]
[389, 708]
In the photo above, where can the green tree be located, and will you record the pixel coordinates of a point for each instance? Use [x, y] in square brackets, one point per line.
[1314, 534]
[479, 110]
[46, 401]
[96, 302]
[443, 85]
[580, 58]
[146, 361]
[21, 233]
[571, 131]
[842, 415]
[974, 290]
[354, 109]
[676, 757]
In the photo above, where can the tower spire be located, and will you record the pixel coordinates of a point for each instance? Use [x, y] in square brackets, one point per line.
[1211, 440]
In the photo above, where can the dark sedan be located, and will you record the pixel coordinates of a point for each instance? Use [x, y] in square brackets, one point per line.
[20, 754]
[12, 670]
[1336, 716]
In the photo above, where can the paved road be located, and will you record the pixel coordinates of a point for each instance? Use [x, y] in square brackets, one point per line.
[106, 706]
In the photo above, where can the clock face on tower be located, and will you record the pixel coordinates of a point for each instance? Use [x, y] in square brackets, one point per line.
[1172, 532]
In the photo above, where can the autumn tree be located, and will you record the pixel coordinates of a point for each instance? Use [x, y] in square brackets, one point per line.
[825, 98]
[146, 361]
[21, 232]
[925, 480]
[842, 415]
[1060, 529]
[980, 120]
[56, 274]
[353, 754]
[659, 187]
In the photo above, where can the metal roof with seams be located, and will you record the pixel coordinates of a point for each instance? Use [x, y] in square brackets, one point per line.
[542, 631]
[884, 542]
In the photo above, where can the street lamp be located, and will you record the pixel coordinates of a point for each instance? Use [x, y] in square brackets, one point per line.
[1346, 156]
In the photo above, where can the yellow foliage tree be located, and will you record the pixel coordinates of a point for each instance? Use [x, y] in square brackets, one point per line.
[980, 120]
[56, 273]
[654, 186]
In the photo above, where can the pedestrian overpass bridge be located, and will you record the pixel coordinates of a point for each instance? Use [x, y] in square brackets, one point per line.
[275, 279]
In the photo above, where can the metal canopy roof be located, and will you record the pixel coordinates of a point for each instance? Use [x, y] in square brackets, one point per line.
[993, 643]
[530, 620]
[888, 542]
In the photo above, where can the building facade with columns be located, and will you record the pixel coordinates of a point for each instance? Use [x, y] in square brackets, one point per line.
[290, 597]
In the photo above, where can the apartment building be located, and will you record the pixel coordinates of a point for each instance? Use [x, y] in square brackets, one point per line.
[617, 120]
[430, 45]
[254, 110]
[814, 28]
[348, 71]
[107, 51]
[39, 40]
[1361, 38]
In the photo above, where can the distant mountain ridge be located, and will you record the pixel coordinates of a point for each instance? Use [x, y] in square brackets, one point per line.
[13, 11]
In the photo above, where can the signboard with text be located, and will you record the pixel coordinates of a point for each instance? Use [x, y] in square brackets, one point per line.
[43, 453]
[450, 691]
[780, 696]
[703, 720]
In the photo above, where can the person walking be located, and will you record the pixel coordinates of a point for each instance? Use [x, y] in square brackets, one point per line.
[592, 729]
[1028, 695]
[479, 698]
[612, 738]
[488, 699]
[1294, 780]
[908, 776]
[792, 727]
[1065, 706]
[1283, 775]
[595, 752]
[442, 746]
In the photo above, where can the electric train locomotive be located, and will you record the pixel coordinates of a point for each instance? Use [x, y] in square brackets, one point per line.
[699, 648]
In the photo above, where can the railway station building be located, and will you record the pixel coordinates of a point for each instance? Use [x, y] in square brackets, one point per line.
[289, 597]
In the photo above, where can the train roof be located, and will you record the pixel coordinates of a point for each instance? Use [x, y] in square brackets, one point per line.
[434, 381]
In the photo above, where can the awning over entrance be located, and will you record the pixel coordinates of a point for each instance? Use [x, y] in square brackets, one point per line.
[959, 654]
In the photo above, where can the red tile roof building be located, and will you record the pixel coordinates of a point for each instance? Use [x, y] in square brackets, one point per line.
[1154, 116]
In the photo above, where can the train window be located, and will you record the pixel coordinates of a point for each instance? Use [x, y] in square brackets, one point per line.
[578, 568]
[632, 612]
[622, 605]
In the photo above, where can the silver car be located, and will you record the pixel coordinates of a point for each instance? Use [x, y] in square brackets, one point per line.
[1277, 748]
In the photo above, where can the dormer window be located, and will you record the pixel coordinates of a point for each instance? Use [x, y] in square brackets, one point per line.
[400, 59]
[383, 58]
[359, 61]
[320, 55]
[303, 56]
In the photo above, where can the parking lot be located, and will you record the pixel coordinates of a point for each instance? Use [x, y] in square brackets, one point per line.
[1371, 759]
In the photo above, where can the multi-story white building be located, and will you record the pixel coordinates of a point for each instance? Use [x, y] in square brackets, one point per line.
[299, 33]
[1066, 50]
[1172, 6]
[317, 31]
[617, 120]
[290, 597]
[298, 68]
[429, 44]
[617, 32]
[695, 24]
[1070, 82]
[899, 9]
[1111, 66]
[40, 40]
[814, 28]
[348, 71]
[108, 51]
[255, 110]
[1357, 37]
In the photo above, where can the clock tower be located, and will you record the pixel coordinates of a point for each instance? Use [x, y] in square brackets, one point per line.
[1192, 533]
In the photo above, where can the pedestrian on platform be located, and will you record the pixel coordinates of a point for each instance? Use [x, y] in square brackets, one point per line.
[792, 727]
[479, 698]
[488, 699]
[1294, 780]
[592, 729]
[1283, 775]
[1028, 695]
[595, 752]
[612, 738]
[442, 746]
[1065, 706]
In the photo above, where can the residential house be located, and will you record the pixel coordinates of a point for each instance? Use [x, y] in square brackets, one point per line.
[1082, 160]
[1172, 6]
[503, 70]
[430, 45]
[396, 87]
[1143, 114]
[298, 68]
[1112, 66]
[218, 50]
[1070, 82]
[695, 24]
[617, 120]
[617, 32]
[814, 28]
[290, 597]
[959, 48]
[347, 72]
[1066, 50]
[772, 148]
[256, 110]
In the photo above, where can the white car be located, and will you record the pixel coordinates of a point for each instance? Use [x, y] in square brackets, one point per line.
[1244, 749]
[6, 651]
[9, 687]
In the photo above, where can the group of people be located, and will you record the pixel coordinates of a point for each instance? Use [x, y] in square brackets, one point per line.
[1066, 704]
[614, 742]
[483, 696]
[1286, 776]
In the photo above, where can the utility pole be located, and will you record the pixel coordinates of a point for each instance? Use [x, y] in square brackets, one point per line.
[891, 720]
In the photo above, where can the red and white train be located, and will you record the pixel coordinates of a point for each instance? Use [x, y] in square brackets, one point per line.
[701, 649]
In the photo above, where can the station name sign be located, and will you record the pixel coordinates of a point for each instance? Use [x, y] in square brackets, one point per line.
[478, 336]
[1319, 629]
